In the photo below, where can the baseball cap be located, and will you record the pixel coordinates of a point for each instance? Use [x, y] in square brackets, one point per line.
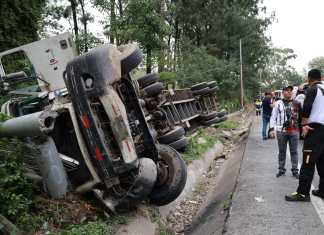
[288, 88]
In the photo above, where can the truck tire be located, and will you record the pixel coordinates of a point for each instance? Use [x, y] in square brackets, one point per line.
[199, 86]
[213, 90]
[153, 89]
[147, 80]
[212, 84]
[211, 121]
[180, 144]
[206, 117]
[203, 91]
[172, 176]
[172, 135]
[131, 58]
[214, 121]
[221, 114]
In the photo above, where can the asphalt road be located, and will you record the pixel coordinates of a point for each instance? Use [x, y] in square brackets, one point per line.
[258, 205]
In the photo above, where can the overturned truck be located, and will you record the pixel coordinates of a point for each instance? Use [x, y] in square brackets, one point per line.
[87, 120]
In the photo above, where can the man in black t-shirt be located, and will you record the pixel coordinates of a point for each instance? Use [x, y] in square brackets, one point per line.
[267, 104]
[313, 132]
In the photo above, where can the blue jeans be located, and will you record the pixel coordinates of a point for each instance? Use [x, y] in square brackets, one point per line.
[265, 123]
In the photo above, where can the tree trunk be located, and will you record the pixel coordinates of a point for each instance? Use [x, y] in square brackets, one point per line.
[85, 22]
[112, 22]
[176, 43]
[121, 15]
[169, 56]
[149, 61]
[161, 61]
[75, 24]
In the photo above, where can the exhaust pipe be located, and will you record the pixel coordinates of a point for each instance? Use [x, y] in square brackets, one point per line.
[31, 125]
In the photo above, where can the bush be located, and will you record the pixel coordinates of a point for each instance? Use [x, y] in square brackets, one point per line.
[198, 65]
[198, 145]
[16, 191]
[169, 78]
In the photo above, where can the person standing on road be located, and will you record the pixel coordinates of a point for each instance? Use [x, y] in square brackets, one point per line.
[267, 104]
[313, 132]
[285, 121]
[258, 106]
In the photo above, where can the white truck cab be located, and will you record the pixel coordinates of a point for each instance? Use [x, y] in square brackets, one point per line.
[47, 60]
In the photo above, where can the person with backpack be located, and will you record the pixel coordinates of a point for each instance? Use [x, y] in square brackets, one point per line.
[284, 123]
[313, 132]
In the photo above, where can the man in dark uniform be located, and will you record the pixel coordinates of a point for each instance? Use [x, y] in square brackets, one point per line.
[313, 132]
[267, 105]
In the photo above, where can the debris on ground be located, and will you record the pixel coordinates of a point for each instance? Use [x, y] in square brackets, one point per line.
[186, 210]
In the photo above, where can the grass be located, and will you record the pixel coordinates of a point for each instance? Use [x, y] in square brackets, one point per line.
[194, 150]
[99, 227]
[228, 125]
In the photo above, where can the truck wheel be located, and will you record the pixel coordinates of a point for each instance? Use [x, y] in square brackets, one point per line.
[213, 90]
[153, 89]
[131, 58]
[199, 86]
[172, 176]
[206, 117]
[180, 144]
[202, 91]
[214, 121]
[172, 135]
[212, 84]
[147, 80]
[221, 114]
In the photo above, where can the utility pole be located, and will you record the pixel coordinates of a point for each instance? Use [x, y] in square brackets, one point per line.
[241, 63]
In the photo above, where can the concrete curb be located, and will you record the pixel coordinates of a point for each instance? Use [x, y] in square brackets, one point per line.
[195, 171]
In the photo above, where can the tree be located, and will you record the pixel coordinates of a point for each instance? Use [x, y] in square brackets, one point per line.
[145, 26]
[317, 63]
[115, 22]
[219, 25]
[20, 22]
[278, 73]
[76, 14]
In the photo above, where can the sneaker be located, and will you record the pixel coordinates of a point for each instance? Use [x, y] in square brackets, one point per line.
[280, 173]
[297, 197]
[318, 193]
[296, 175]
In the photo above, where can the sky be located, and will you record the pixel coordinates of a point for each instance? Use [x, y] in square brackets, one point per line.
[299, 26]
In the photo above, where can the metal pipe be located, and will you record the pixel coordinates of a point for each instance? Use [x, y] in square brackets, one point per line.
[35, 124]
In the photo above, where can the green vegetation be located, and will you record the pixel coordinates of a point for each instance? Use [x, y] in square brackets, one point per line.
[198, 145]
[230, 105]
[20, 22]
[317, 63]
[97, 227]
[108, 227]
[228, 125]
[277, 72]
[16, 191]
